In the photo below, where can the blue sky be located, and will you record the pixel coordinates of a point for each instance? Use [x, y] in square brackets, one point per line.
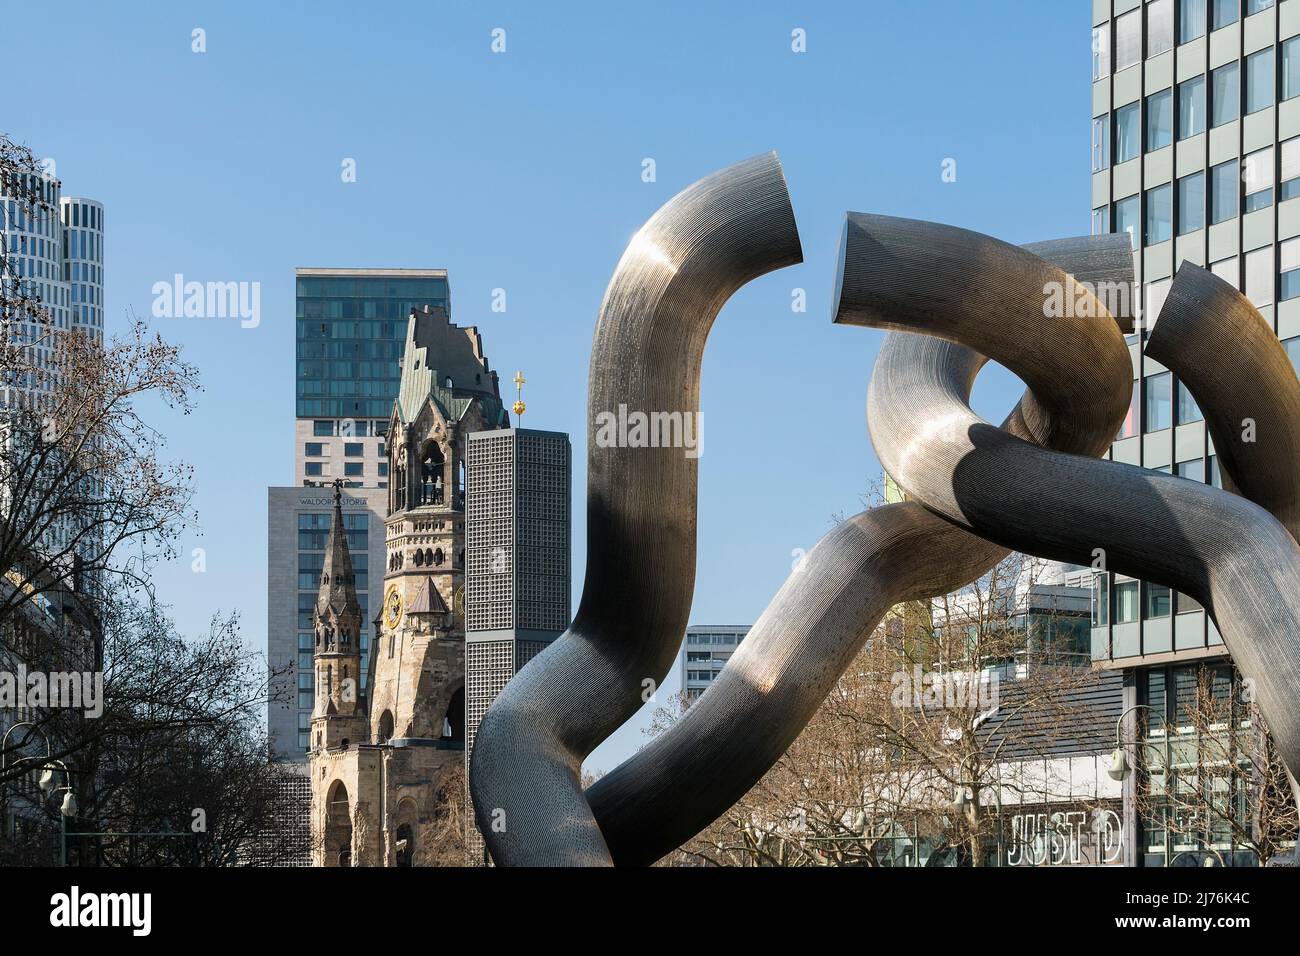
[522, 170]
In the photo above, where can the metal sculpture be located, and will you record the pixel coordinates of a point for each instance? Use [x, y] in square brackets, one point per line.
[952, 300]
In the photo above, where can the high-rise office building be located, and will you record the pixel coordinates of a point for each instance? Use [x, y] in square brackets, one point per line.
[58, 257]
[705, 651]
[1196, 155]
[517, 574]
[351, 332]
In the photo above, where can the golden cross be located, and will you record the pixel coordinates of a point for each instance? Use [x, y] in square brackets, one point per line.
[519, 381]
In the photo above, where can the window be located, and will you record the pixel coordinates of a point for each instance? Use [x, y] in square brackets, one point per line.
[1257, 6]
[1188, 410]
[1101, 221]
[354, 469]
[1160, 26]
[1223, 95]
[1258, 176]
[1223, 192]
[1216, 477]
[1292, 347]
[1128, 39]
[1184, 604]
[1191, 107]
[1100, 143]
[1127, 142]
[1159, 221]
[383, 469]
[1100, 599]
[1226, 269]
[320, 429]
[1158, 403]
[1158, 603]
[1160, 120]
[1290, 170]
[1130, 426]
[1224, 12]
[1291, 68]
[1289, 265]
[1101, 51]
[315, 449]
[1259, 277]
[353, 449]
[1191, 203]
[1126, 218]
[1193, 470]
[314, 468]
[1126, 602]
[1191, 20]
[1259, 80]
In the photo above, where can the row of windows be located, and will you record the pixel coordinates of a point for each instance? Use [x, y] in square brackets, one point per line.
[82, 214]
[1164, 403]
[351, 469]
[344, 407]
[316, 449]
[431, 290]
[348, 428]
[1134, 600]
[1234, 186]
[1170, 118]
[1193, 17]
[717, 639]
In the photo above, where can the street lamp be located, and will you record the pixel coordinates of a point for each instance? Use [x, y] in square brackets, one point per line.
[68, 807]
[1120, 768]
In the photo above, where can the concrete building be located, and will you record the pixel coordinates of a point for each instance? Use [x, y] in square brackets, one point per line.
[1196, 154]
[518, 547]
[705, 650]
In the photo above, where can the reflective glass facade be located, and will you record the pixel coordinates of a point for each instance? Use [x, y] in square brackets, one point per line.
[351, 326]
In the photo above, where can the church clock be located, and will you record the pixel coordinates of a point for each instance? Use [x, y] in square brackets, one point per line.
[393, 607]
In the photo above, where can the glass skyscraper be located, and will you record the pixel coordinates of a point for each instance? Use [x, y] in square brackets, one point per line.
[351, 328]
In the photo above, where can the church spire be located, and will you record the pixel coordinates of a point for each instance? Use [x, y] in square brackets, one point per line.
[338, 613]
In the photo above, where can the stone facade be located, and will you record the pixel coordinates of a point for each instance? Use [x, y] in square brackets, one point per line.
[379, 758]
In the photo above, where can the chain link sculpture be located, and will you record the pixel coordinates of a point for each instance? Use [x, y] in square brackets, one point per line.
[951, 300]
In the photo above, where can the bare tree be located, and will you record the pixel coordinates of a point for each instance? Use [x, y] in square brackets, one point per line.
[915, 739]
[87, 503]
[1210, 780]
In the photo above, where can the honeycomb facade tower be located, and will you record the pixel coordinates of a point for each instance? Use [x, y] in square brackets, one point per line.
[384, 759]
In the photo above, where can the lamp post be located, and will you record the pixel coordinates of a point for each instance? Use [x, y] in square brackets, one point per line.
[970, 808]
[68, 808]
[1119, 768]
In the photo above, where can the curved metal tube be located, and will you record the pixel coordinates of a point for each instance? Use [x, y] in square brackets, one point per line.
[1250, 390]
[673, 279]
[1228, 553]
[790, 659]
[1250, 379]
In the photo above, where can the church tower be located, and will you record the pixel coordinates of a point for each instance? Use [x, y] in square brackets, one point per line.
[339, 717]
